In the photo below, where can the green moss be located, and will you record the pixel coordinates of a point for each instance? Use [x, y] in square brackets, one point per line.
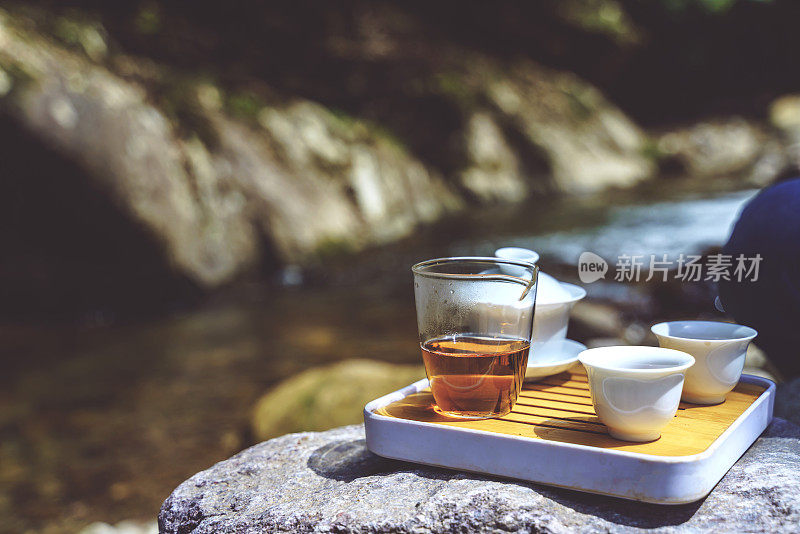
[67, 31]
[580, 104]
[17, 79]
[177, 98]
[651, 151]
[711, 6]
[328, 247]
[308, 402]
[148, 19]
[390, 138]
[452, 85]
[80, 32]
[343, 119]
[606, 17]
[244, 105]
[365, 130]
[348, 126]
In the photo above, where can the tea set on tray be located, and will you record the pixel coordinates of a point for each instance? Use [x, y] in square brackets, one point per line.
[481, 339]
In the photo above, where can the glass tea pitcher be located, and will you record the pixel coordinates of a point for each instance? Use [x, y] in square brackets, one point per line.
[475, 322]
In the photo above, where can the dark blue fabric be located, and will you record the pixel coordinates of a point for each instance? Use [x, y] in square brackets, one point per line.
[769, 225]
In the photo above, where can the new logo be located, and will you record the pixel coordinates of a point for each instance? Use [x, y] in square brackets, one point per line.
[591, 267]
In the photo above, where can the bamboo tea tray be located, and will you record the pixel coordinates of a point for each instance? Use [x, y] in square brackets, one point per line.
[554, 437]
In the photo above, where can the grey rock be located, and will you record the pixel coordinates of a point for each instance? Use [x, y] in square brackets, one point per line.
[756, 152]
[123, 527]
[787, 401]
[588, 143]
[494, 172]
[323, 397]
[725, 146]
[569, 138]
[755, 357]
[330, 482]
[758, 371]
[126, 145]
[210, 188]
[776, 157]
[311, 181]
[784, 114]
[600, 320]
[757, 363]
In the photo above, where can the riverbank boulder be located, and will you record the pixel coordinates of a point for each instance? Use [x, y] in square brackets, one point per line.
[330, 482]
[328, 396]
[787, 401]
[754, 152]
[720, 147]
[784, 114]
[220, 178]
[298, 176]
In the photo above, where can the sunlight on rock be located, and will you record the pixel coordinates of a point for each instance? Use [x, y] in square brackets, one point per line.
[123, 527]
[328, 396]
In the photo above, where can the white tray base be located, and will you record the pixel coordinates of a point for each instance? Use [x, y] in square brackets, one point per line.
[641, 477]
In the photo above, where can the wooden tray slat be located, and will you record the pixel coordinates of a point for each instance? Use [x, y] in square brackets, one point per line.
[555, 405]
[559, 408]
[576, 400]
[562, 390]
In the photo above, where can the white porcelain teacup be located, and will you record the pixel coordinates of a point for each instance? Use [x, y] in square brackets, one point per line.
[635, 390]
[718, 348]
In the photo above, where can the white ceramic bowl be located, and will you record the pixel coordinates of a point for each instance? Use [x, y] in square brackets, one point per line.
[547, 359]
[635, 390]
[718, 348]
[551, 319]
[554, 299]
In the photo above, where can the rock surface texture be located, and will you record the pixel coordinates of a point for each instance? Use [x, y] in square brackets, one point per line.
[295, 173]
[733, 146]
[330, 482]
[223, 179]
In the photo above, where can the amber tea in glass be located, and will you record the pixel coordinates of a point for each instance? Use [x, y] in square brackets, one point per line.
[475, 324]
[475, 376]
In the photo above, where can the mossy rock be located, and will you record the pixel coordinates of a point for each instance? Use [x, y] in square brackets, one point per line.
[328, 397]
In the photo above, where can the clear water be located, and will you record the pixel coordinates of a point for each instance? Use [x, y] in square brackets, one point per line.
[679, 226]
[672, 228]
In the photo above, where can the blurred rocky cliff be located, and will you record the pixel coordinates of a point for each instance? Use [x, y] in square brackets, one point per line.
[155, 153]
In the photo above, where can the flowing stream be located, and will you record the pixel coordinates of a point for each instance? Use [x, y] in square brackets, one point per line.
[104, 420]
[687, 226]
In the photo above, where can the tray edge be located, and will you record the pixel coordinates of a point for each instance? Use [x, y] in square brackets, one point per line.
[714, 461]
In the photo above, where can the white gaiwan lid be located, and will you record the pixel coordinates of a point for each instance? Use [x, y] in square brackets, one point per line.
[548, 290]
